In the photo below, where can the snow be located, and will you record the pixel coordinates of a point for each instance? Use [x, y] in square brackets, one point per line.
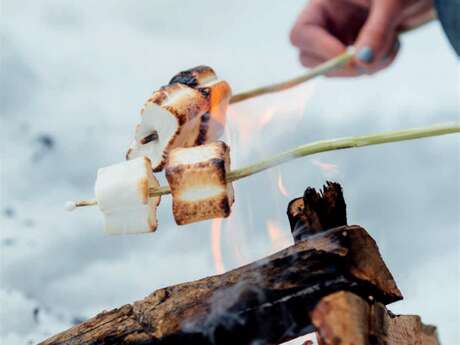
[73, 77]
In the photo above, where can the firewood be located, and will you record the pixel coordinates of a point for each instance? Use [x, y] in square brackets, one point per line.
[353, 320]
[269, 299]
[317, 211]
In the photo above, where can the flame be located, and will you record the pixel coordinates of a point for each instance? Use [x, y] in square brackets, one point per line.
[247, 122]
[237, 230]
[329, 169]
[278, 237]
[281, 186]
[250, 129]
[215, 245]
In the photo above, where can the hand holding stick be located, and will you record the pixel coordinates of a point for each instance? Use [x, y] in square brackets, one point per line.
[328, 66]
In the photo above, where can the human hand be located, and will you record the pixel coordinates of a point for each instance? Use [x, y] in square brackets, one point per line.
[326, 27]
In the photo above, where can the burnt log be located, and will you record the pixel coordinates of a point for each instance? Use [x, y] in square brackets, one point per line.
[347, 319]
[317, 211]
[270, 299]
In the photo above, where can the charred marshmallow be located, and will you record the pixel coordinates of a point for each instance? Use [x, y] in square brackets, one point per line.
[197, 178]
[170, 118]
[218, 94]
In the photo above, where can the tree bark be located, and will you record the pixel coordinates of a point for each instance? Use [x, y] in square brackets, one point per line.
[270, 299]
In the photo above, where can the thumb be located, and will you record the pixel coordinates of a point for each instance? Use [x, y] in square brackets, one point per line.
[378, 33]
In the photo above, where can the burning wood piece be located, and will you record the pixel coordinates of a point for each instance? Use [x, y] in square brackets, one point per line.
[353, 320]
[317, 211]
[171, 118]
[122, 193]
[218, 93]
[198, 180]
[269, 300]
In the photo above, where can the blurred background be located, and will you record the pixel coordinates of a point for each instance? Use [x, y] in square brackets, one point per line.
[73, 77]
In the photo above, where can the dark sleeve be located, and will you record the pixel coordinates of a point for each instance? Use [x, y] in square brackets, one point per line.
[449, 15]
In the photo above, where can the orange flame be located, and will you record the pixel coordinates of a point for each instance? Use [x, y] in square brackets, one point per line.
[247, 121]
[215, 245]
[329, 169]
[281, 186]
[249, 126]
[278, 238]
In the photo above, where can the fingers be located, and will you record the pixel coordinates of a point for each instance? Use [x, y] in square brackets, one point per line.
[352, 70]
[387, 59]
[375, 42]
[310, 34]
[378, 33]
[316, 41]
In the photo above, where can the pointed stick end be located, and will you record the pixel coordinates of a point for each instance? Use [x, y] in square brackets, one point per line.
[70, 206]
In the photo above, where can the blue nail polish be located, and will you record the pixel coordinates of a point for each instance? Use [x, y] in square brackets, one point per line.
[365, 55]
[393, 50]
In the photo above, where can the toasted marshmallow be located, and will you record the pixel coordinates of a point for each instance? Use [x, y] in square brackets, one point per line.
[197, 178]
[122, 193]
[218, 93]
[170, 118]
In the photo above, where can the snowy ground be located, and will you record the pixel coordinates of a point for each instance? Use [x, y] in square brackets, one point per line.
[73, 76]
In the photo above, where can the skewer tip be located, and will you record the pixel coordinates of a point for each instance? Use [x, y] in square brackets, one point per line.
[70, 206]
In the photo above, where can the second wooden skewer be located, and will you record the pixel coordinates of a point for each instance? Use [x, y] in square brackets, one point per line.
[312, 148]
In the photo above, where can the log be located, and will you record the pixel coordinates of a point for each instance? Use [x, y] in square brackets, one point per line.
[270, 299]
[344, 318]
[317, 211]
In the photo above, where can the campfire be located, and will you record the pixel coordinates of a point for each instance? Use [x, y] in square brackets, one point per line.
[332, 281]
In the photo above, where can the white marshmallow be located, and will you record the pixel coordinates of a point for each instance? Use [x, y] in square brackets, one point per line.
[122, 193]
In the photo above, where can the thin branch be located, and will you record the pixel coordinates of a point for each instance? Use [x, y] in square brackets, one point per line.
[328, 66]
[313, 148]
[321, 69]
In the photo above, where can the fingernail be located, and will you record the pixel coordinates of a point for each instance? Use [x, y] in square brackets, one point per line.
[393, 49]
[365, 55]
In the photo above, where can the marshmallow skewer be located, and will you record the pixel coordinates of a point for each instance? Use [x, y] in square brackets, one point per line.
[327, 66]
[313, 148]
[321, 69]
[190, 110]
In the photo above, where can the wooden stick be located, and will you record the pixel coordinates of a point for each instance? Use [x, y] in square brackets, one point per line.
[313, 148]
[327, 66]
[321, 69]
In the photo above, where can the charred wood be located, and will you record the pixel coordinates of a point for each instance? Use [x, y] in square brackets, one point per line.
[270, 299]
[317, 211]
